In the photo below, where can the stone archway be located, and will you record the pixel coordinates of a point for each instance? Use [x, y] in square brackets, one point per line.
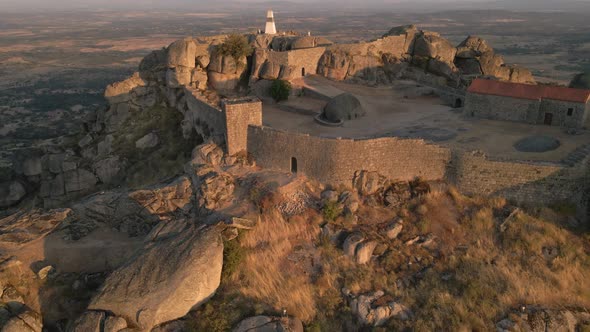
[458, 103]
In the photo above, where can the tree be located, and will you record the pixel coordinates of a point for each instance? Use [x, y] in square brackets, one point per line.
[236, 46]
[280, 90]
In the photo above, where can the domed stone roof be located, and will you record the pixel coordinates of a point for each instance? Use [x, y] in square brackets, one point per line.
[343, 107]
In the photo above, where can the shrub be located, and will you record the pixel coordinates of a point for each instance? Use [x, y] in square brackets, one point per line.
[280, 90]
[233, 254]
[236, 46]
[331, 211]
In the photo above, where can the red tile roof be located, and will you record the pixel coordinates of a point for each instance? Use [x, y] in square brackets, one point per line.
[527, 91]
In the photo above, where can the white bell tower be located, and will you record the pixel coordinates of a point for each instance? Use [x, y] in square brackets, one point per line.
[270, 28]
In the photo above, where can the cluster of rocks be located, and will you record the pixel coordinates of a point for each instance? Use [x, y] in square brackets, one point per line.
[376, 308]
[269, 324]
[538, 319]
[475, 57]
[57, 174]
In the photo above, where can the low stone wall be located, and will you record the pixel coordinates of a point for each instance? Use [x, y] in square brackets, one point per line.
[335, 161]
[525, 182]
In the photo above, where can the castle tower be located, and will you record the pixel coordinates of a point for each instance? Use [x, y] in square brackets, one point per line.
[270, 29]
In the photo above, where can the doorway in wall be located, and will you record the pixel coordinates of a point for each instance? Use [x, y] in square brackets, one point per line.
[293, 165]
[303, 72]
[548, 119]
[458, 103]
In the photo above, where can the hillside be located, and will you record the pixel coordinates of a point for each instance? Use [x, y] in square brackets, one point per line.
[144, 222]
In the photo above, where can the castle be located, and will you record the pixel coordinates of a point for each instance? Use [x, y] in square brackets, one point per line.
[239, 125]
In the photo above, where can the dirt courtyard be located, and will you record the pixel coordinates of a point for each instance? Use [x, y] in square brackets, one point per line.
[407, 109]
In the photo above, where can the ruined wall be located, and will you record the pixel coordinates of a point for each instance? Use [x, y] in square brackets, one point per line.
[538, 183]
[239, 114]
[206, 119]
[335, 161]
[501, 108]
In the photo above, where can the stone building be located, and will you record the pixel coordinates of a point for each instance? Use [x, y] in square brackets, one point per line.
[533, 104]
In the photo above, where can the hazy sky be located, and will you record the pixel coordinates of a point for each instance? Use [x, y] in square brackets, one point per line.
[27, 5]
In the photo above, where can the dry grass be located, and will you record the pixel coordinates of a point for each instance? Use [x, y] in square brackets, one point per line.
[480, 267]
[275, 270]
[501, 270]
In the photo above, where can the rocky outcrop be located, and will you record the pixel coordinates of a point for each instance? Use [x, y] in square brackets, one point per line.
[269, 324]
[11, 193]
[23, 227]
[394, 229]
[369, 183]
[170, 276]
[214, 188]
[207, 154]
[476, 57]
[432, 45]
[334, 65]
[376, 309]
[224, 72]
[120, 92]
[24, 321]
[540, 320]
[182, 53]
[148, 141]
[581, 81]
[114, 210]
[165, 199]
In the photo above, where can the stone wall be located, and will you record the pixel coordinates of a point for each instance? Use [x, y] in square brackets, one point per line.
[201, 116]
[501, 108]
[335, 161]
[559, 109]
[396, 45]
[287, 65]
[525, 110]
[239, 114]
[539, 183]
[305, 58]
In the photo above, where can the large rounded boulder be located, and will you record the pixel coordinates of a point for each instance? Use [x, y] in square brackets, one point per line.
[172, 275]
[581, 81]
[343, 107]
[182, 53]
[431, 45]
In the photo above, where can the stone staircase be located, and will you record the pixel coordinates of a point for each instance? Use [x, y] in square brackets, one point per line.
[577, 155]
